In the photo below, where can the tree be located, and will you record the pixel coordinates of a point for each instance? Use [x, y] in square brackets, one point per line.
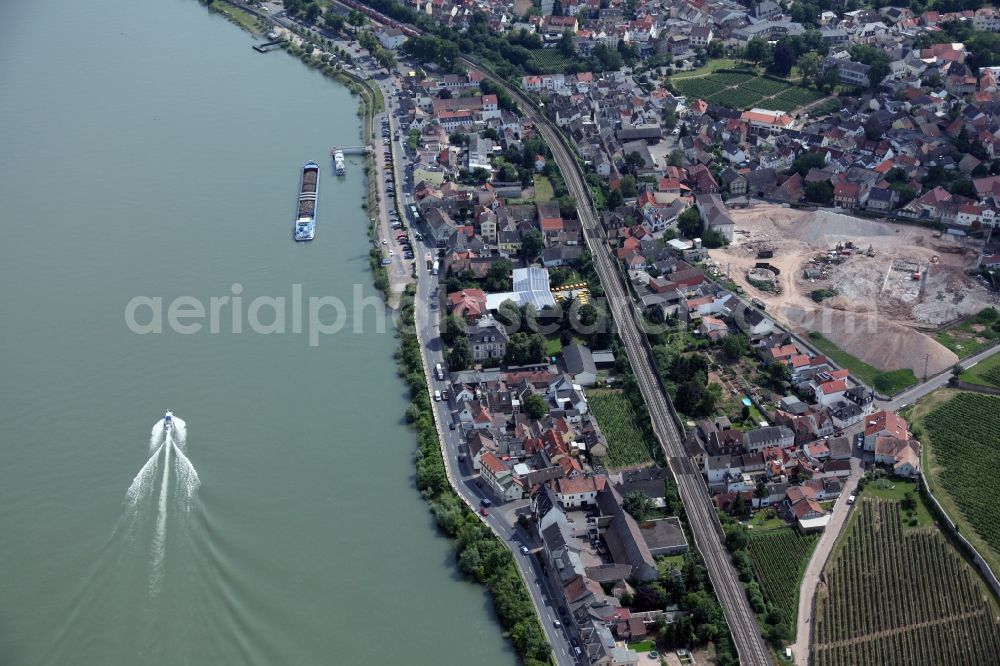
[808, 65]
[829, 78]
[740, 507]
[356, 19]
[557, 9]
[676, 158]
[566, 44]
[334, 20]
[757, 50]
[669, 117]
[525, 349]
[588, 315]
[312, 12]
[607, 58]
[736, 536]
[385, 58]
[782, 59]
[689, 398]
[614, 199]
[875, 58]
[820, 192]
[712, 238]
[460, 356]
[628, 186]
[638, 505]
[532, 245]
[498, 276]
[453, 329]
[733, 347]
[805, 162]
[689, 223]
[777, 375]
[634, 161]
[535, 406]
[567, 205]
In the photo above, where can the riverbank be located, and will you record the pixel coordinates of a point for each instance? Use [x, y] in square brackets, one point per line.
[480, 555]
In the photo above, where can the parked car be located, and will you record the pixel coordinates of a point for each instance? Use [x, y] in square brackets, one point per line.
[485, 502]
[524, 550]
[484, 511]
[852, 498]
[437, 396]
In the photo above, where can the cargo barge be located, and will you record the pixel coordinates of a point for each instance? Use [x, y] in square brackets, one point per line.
[305, 216]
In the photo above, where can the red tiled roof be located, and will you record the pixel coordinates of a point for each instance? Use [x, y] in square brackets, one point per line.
[889, 422]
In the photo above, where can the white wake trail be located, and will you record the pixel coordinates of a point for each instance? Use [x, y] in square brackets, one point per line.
[142, 484]
[187, 475]
[160, 536]
[179, 432]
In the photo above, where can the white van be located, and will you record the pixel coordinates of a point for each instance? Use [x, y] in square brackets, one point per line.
[437, 396]
[439, 371]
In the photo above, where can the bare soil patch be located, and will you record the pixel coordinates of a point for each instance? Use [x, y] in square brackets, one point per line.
[890, 280]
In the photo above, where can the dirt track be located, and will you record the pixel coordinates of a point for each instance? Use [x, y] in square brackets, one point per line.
[878, 307]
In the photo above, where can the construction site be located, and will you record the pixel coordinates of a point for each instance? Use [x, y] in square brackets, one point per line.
[873, 288]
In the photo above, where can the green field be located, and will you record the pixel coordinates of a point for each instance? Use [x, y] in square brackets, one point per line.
[766, 519]
[900, 597]
[887, 382]
[548, 61]
[973, 335]
[543, 189]
[626, 444]
[829, 106]
[242, 18]
[892, 488]
[985, 372]
[962, 437]
[779, 558]
[741, 90]
[765, 87]
[793, 98]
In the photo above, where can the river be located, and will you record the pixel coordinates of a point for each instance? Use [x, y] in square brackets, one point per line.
[149, 153]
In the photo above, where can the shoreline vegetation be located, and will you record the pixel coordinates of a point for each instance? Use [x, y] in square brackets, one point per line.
[479, 553]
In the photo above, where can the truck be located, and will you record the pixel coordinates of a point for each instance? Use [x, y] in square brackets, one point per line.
[439, 372]
[434, 268]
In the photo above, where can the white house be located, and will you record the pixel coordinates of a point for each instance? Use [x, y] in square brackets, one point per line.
[499, 478]
[579, 490]
[719, 468]
[390, 38]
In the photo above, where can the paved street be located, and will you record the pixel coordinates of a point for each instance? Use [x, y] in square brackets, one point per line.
[910, 396]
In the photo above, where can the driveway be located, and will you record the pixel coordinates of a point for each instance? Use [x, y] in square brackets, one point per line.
[810, 581]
